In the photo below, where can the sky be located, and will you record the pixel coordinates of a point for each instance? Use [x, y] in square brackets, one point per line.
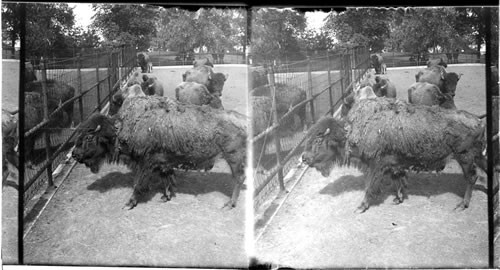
[83, 14]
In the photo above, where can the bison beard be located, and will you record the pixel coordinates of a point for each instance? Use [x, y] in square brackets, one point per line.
[154, 135]
[390, 136]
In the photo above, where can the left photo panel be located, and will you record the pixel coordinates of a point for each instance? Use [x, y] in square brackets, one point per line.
[135, 136]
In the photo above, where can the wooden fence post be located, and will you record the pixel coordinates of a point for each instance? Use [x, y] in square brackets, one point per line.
[98, 83]
[110, 86]
[309, 92]
[79, 86]
[46, 135]
[277, 141]
[329, 83]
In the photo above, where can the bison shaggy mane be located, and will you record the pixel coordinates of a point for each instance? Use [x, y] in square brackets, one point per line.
[154, 135]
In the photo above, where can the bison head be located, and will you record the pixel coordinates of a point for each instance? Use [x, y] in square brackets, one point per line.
[450, 82]
[95, 141]
[325, 145]
[216, 83]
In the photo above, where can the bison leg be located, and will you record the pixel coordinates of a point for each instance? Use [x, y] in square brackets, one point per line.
[238, 175]
[376, 172]
[138, 190]
[168, 180]
[401, 184]
[466, 161]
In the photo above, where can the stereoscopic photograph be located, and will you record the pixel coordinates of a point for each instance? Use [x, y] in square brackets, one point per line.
[234, 137]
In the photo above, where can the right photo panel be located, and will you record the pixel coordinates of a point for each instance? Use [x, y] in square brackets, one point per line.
[369, 136]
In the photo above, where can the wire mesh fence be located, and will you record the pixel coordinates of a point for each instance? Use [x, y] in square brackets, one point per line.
[295, 96]
[66, 92]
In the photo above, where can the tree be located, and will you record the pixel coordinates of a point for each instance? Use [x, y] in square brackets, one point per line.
[132, 25]
[360, 26]
[48, 26]
[11, 23]
[312, 41]
[276, 33]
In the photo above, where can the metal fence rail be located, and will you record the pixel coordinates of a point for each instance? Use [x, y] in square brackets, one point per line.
[95, 77]
[325, 80]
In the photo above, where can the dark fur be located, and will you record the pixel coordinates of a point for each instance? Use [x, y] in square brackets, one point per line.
[29, 74]
[154, 135]
[429, 94]
[10, 139]
[437, 75]
[198, 94]
[287, 96]
[144, 62]
[58, 93]
[390, 136]
[151, 85]
[383, 87]
[376, 62]
[206, 76]
[33, 115]
[259, 77]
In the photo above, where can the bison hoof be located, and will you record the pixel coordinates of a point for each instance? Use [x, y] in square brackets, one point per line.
[461, 206]
[166, 198]
[361, 209]
[397, 200]
[130, 204]
[230, 205]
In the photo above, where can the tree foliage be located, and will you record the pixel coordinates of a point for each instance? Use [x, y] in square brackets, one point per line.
[48, 27]
[210, 30]
[360, 26]
[10, 23]
[276, 34]
[126, 24]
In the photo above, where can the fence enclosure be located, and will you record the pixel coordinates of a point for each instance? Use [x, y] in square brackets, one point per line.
[95, 77]
[325, 80]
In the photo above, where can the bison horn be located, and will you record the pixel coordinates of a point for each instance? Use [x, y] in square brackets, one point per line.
[460, 75]
[327, 131]
[97, 129]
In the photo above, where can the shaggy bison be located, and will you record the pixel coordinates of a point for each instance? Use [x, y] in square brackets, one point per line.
[390, 136]
[203, 61]
[154, 135]
[117, 99]
[437, 62]
[151, 85]
[429, 94]
[58, 93]
[205, 75]
[383, 87]
[437, 75]
[376, 62]
[198, 94]
[144, 62]
[287, 96]
[9, 141]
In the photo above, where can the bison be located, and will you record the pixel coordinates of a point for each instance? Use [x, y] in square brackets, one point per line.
[198, 94]
[144, 62]
[205, 75]
[258, 77]
[154, 135]
[58, 93]
[383, 87]
[203, 61]
[437, 62]
[10, 139]
[117, 99]
[429, 94]
[437, 75]
[151, 85]
[390, 136]
[287, 96]
[376, 62]
[29, 73]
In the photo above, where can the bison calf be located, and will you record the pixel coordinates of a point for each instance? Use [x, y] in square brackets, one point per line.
[429, 94]
[154, 135]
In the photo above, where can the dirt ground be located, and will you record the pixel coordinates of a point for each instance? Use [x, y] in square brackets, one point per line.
[317, 226]
[85, 224]
[10, 101]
